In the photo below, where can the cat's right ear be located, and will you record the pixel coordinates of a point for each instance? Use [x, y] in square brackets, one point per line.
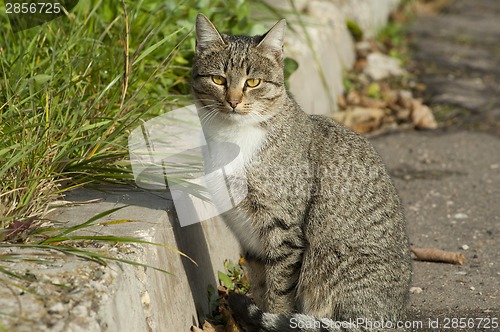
[206, 34]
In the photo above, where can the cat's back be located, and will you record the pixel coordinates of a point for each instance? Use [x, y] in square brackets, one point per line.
[358, 210]
[354, 190]
[334, 144]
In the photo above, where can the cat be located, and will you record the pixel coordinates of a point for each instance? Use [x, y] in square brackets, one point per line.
[322, 228]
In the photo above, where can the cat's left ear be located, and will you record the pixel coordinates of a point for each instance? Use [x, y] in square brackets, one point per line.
[206, 34]
[272, 41]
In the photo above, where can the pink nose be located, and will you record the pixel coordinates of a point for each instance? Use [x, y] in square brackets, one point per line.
[233, 103]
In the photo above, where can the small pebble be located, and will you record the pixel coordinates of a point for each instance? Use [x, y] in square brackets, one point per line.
[465, 247]
[145, 299]
[56, 308]
[472, 288]
[416, 290]
[80, 311]
[460, 216]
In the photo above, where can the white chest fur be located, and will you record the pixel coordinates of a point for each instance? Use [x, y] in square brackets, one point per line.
[249, 138]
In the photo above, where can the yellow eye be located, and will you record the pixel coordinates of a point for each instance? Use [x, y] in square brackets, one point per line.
[219, 80]
[253, 82]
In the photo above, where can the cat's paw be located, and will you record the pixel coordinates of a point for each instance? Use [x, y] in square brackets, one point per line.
[244, 311]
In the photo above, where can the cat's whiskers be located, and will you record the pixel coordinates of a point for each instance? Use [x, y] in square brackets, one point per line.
[256, 113]
[207, 117]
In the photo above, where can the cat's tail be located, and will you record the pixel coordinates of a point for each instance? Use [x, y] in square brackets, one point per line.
[253, 319]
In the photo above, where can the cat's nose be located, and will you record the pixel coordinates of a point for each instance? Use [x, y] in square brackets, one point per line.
[234, 97]
[233, 103]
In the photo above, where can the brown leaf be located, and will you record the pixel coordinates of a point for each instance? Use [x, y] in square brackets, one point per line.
[241, 261]
[208, 327]
[372, 102]
[353, 98]
[363, 120]
[360, 64]
[231, 325]
[403, 114]
[342, 104]
[390, 96]
[18, 230]
[437, 255]
[405, 99]
[222, 290]
[421, 116]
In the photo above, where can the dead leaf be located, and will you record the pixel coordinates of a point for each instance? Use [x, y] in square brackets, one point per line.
[372, 102]
[405, 99]
[339, 116]
[231, 325]
[359, 65]
[19, 230]
[437, 255]
[222, 290]
[208, 327]
[363, 120]
[353, 98]
[403, 114]
[421, 116]
[341, 101]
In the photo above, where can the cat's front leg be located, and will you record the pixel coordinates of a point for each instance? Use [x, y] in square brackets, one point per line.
[257, 277]
[282, 274]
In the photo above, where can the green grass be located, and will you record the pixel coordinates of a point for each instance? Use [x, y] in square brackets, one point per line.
[72, 89]
[233, 279]
[395, 34]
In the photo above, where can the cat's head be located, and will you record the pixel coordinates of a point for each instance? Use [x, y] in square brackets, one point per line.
[239, 78]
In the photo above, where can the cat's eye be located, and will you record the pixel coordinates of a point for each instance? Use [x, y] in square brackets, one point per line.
[253, 82]
[219, 80]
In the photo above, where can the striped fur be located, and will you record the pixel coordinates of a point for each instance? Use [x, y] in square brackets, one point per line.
[322, 227]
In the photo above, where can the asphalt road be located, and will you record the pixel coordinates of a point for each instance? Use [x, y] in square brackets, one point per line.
[449, 179]
[457, 55]
[450, 187]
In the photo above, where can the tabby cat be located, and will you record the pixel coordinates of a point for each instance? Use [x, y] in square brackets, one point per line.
[321, 227]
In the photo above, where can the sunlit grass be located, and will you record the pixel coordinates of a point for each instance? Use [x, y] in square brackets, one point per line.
[71, 90]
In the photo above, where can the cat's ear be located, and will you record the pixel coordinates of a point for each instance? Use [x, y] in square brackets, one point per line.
[272, 41]
[206, 34]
